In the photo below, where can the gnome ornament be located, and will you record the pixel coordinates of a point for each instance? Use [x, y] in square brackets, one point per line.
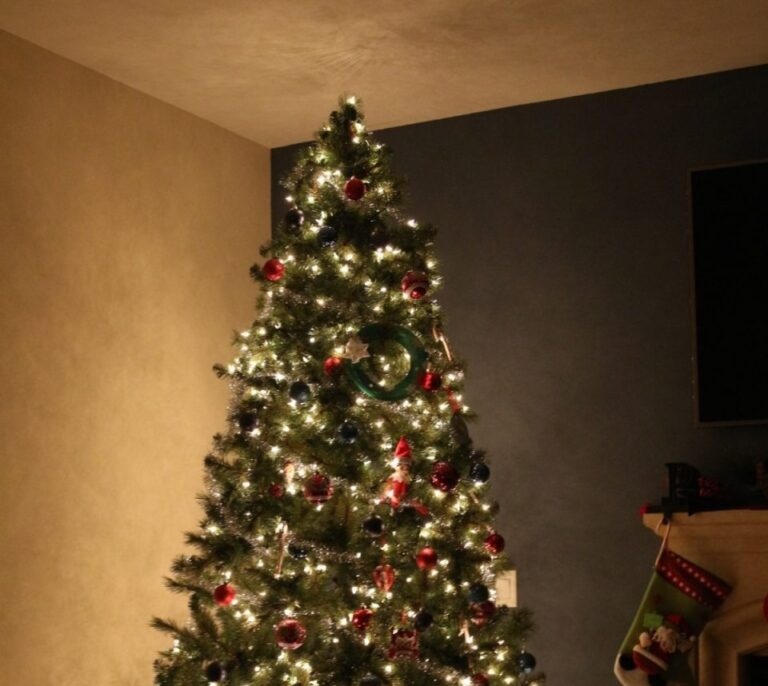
[396, 487]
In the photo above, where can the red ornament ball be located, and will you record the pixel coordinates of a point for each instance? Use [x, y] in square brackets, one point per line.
[384, 577]
[290, 634]
[765, 608]
[495, 543]
[426, 559]
[414, 285]
[444, 477]
[480, 680]
[318, 489]
[276, 490]
[354, 189]
[430, 381]
[273, 269]
[482, 612]
[361, 618]
[224, 595]
[332, 366]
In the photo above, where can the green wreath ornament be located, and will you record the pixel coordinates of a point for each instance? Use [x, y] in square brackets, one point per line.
[380, 333]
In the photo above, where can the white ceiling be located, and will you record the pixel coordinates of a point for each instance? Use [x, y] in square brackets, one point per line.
[271, 71]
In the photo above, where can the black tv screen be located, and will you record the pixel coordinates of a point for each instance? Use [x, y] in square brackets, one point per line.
[730, 269]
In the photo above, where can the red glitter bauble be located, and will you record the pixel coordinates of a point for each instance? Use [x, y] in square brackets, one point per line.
[482, 612]
[444, 477]
[332, 365]
[318, 489]
[273, 270]
[354, 189]
[426, 559]
[414, 285]
[276, 490]
[361, 618]
[495, 543]
[290, 634]
[430, 381]
[224, 595]
[765, 608]
[384, 577]
[480, 680]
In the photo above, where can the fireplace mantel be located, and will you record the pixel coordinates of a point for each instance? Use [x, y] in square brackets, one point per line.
[733, 544]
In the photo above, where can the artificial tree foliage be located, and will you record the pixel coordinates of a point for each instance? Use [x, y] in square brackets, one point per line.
[347, 537]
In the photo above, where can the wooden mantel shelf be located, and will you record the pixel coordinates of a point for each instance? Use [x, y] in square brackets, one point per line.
[733, 544]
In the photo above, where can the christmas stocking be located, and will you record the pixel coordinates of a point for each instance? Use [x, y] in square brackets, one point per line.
[677, 604]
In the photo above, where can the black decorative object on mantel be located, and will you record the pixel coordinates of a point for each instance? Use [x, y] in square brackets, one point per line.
[689, 491]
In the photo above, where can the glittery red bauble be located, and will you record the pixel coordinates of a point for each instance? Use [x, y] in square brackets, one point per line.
[426, 559]
[482, 612]
[480, 680]
[361, 618]
[444, 476]
[495, 543]
[276, 490]
[318, 489]
[333, 365]
[384, 577]
[404, 643]
[354, 189]
[414, 285]
[224, 595]
[430, 381]
[273, 270]
[403, 449]
[290, 634]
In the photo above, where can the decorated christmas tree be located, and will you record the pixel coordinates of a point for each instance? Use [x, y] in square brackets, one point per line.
[347, 537]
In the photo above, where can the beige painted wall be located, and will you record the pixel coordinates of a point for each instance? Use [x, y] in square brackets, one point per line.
[126, 231]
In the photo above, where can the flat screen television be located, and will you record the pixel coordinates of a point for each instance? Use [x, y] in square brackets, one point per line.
[729, 211]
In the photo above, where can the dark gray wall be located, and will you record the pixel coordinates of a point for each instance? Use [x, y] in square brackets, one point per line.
[564, 245]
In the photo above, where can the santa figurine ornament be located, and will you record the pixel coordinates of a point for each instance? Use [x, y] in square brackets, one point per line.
[677, 604]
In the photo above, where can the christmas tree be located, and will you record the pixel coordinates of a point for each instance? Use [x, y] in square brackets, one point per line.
[347, 536]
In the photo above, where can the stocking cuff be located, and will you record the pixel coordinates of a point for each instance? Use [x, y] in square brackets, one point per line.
[692, 580]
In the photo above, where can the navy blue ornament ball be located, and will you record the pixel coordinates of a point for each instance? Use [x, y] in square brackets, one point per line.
[214, 673]
[480, 472]
[247, 421]
[526, 662]
[478, 593]
[373, 526]
[294, 218]
[299, 391]
[423, 620]
[328, 235]
[347, 433]
[297, 552]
